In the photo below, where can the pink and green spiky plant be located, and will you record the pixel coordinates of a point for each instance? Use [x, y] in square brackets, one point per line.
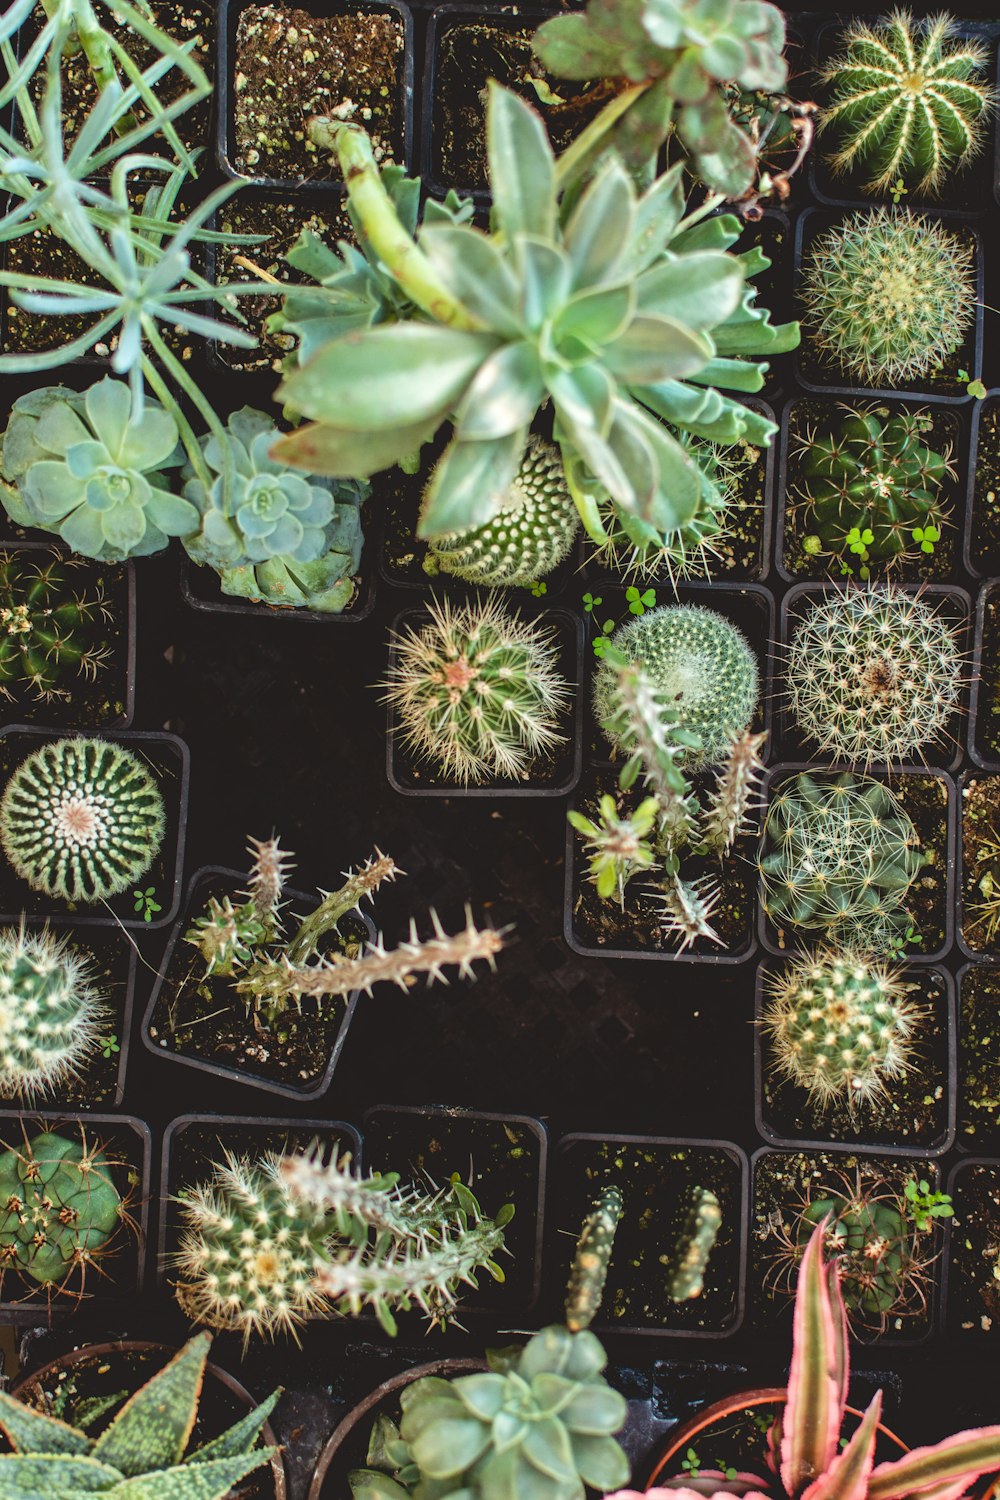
[803, 1445]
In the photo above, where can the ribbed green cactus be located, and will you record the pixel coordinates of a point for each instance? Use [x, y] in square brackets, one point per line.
[50, 1013]
[477, 691]
[874, 675]
[701, 669]
[591, 1259]
[142, 1454]
[81, 819]
[888, 294]
[881, 1274]
[49, 626]
[870, 492]
[838, 856]
[530, 534]
[694, 1246]
[59, 1208]
[839, 1023]
[906, 104]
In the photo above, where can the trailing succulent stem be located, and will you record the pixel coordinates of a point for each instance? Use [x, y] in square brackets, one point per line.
[591, 1258]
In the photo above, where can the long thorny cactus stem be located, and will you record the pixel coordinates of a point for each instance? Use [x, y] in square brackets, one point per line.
[734, 791]
[268, 874]
[359, 885]
[376, 1201]
[685, 908]
[643, 724]
[277, 981]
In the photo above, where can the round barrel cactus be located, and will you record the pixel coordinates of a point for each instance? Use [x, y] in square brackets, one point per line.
[59, 1207]
[81, 819]
[50, 1012]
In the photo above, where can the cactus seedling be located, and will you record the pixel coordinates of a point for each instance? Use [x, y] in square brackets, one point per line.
[591, 1259]
[694, 1246]
[50, 1013]
[48, 627]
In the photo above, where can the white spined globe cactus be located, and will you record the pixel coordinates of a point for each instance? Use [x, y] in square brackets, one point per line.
[50, 1013]
[89, 468]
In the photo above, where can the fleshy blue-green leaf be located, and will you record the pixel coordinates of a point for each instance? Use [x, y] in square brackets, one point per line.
[522, 166]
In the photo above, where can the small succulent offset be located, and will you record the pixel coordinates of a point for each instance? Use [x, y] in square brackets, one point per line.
[50, 623]
[804, 1452]
[51, 1013]
[907, 103]
[142, 1453]
[90, 468]
[839, 1024]
[889, 294]
[59, 1210]
[619, 847]
[541, 1421]
[81, 819]
[838, 856]
[476, 691]
[870, 491]
[874, 675]
[273, 534]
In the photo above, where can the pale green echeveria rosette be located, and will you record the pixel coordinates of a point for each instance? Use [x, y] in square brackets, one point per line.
[285, 538]
[88, 468]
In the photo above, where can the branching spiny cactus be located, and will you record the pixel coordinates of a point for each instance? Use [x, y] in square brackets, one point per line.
[686, 907]
[645, 723]
[49, 627]
[81, 819]
[476, 691]
[874, 675]
[889, 294]
[870, 493]
[906, 103]
[591, 1259]
[59, 1209]
[359, 885]
[529, 536]
[839, 1022]
[618, 847]
[694, 1246]
[50, 1013]
[736, 786]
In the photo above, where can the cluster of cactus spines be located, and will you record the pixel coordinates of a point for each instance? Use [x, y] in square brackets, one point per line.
[839, 1022]
[838, 856]
[981, 919]
[695, 1244]
[870, 492]
[50, 1013]
[732, 801]
[888, 295]
[703, 673]
[59, 1209]
[905, 103]
[477, 691]
[645, 724]
[874, 675]
[591, 1258]
[81, 819]
[685, 908]
[49, 628]
[531, 534]
[269, 872]
[359, 885]
[248, 1251]
[618, 847]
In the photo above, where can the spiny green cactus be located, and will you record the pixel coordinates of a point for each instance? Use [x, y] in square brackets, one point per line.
[889, 294]
[838, 855]
[50, 1013]
[905, 103]
[476, 691]
[870, 492]
[81, 819]
[591, 1259]
[531, 533]
[142, 1454]
[619, 848]
[694, 1246]
[839, 1023]
[228, 936]
[59, 1208]
[49, 628]
[874, 675]
[702, 670]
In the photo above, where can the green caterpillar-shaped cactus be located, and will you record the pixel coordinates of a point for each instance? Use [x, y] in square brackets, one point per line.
[50, 1013]
[694, 1246]
[531, 534]
[49, 626]
[59, 1208]
[591, 1259]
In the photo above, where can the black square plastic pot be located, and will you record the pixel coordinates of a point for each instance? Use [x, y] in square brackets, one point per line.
[658, 1176]
[966, 895]
[984, 708]
[916, 1116]
[971, 1284]
[950, 425]
[502, 1158]
[778, 1174]
[947, 600]
[202, 590]
[933, 788]
[413, 778]
[226, 147]
[982, 509]
[832, 379]
[978, 1078]
[215, 880]
[169, 760]
[965, 194]
[128, 1145]
[192, 1144]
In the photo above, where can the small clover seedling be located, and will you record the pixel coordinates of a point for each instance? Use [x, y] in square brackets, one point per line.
[690, 1463]
[109, 1045]
[146, 903]
[923, 1205]
[926, 536]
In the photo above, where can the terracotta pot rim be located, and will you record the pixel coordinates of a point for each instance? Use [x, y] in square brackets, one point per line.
[125, 1346]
